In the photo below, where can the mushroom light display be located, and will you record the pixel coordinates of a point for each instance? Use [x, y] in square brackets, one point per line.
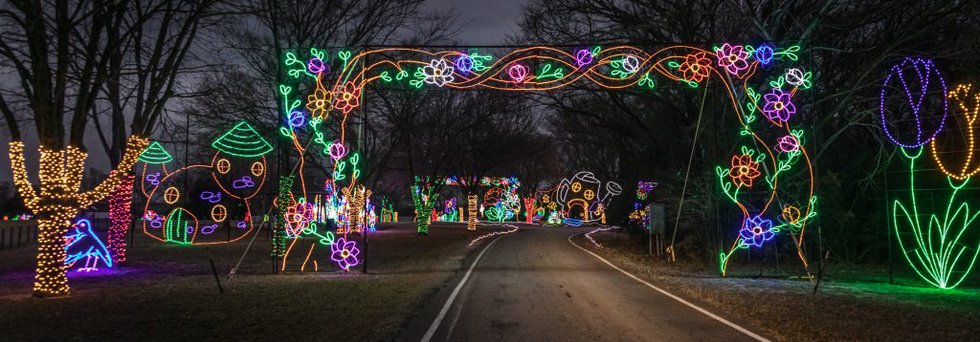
[237, 170]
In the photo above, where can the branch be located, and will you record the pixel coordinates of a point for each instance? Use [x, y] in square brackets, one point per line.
[24, 187]
[134, 147]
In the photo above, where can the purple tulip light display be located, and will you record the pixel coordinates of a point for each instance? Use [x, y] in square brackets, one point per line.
[913, 103]
[932, 238]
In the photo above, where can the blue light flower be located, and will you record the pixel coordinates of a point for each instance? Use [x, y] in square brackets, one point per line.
[764, 54]
[756, 231]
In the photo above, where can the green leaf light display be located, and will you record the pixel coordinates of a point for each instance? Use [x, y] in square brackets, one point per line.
[155, 154]
[242, 141]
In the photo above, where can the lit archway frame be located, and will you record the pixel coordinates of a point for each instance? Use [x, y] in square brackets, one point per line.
[772, 149]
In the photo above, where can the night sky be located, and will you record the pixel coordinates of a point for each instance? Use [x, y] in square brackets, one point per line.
[483, 22]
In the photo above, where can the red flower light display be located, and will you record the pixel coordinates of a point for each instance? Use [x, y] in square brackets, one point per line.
[744, 170]
[696, 67]
[347, 97]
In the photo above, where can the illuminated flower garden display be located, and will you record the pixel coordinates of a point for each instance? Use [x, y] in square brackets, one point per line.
[767, 110]
[771, 165]
[941, 247]
[175, 215]
[501, 202]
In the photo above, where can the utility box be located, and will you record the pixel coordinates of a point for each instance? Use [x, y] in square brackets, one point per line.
[656, 222]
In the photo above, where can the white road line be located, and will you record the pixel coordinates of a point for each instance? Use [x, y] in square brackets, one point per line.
[671, 295]
[449, 302]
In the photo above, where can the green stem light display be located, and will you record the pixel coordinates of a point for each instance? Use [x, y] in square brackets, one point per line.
[935, 248]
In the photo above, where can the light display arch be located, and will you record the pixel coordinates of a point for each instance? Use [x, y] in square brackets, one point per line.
[761, 82]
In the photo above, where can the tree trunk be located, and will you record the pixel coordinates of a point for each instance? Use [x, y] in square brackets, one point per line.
[59, 200]
[50, 280]
[120, 218]
[471, 204]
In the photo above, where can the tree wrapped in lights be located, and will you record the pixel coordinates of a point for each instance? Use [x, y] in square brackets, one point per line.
[914, 112]
[58, 200]
[70, 62]
[471, 217]
[424, 198]
[120, 218]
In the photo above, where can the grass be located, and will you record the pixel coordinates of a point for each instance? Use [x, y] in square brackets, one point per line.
[846, 307]
[169, 292]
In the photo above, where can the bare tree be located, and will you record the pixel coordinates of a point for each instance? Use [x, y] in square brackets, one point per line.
[63, 56]
[847, 44]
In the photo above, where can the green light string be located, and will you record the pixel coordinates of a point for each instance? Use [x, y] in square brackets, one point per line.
[936, 255]
[424, 200]
[242, 141]
[279, 235]
[155, 154]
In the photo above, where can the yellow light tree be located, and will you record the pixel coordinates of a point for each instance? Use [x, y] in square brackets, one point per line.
[77, 63]
[58, 200]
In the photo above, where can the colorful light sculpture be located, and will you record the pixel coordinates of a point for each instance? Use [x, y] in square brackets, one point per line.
[936, 245]
[771, 151]
[542, 68]
[640, 216]
[83, 243]
[58, 201]
[583, 199]
[238, 171]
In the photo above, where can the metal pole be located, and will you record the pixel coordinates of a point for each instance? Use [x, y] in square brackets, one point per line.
[888, 231]
[360, 145]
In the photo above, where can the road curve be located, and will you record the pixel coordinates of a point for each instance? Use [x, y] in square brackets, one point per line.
[533, 285]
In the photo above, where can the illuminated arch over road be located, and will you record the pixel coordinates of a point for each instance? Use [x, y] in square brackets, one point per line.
[762, 83]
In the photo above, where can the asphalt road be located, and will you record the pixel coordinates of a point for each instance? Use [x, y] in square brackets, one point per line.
[533, 285]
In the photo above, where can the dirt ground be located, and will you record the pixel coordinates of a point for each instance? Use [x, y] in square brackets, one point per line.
[852, 303]
[169, 292]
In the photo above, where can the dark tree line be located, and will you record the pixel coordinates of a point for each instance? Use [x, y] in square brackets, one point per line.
[848, 44]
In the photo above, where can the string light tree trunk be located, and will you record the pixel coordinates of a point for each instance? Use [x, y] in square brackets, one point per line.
[58, 200]
[120, 218]
[471, 205]
[424, 198]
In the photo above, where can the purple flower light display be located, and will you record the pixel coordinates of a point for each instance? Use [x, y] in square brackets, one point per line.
[344, 253]
[296, 119]
[464, 64]
[337, 150]
[779, 106]
[756, 231]
[764, 54]
[733, 58]
[913, 102]
[315, 66]
[788, 143]
[583, 57]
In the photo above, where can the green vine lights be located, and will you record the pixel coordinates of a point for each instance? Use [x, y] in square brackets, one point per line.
[774, 146]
